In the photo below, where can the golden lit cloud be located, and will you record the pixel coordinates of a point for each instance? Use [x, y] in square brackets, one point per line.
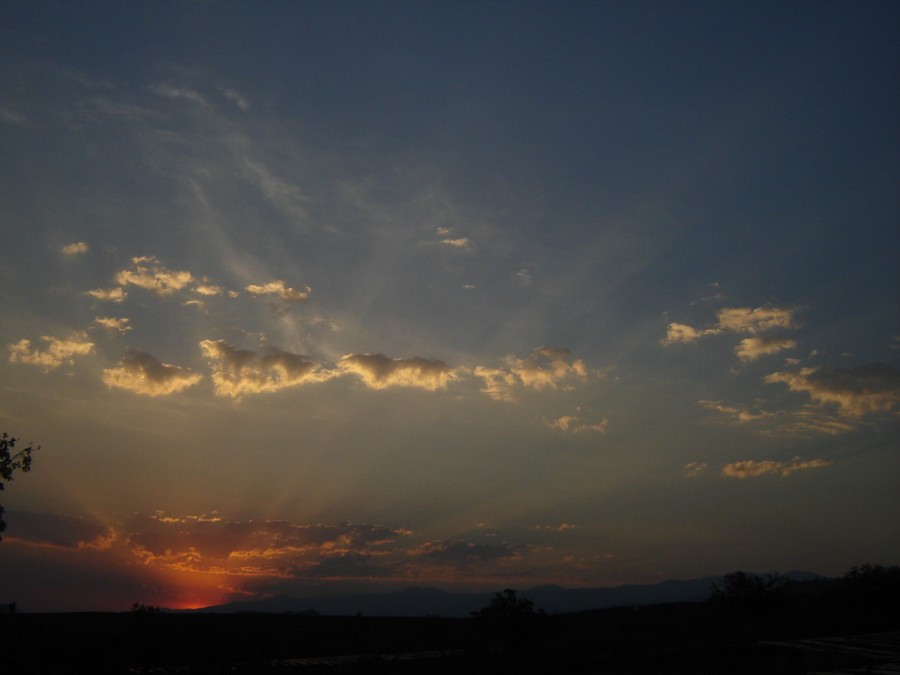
[740, 413]
[278, 289]
[75, 248]
[149, 273]
[751, 469]
[142, 373]
[113, 324]
[58, 351]
[694, 469]
[379, 371]
[462, 242]
[575, 424]
[108, 294]
[680, 332]
[856, 391]
[208, 289]
[752, 348]
[740, 320]
[237, 371]
[545, 367]
[747, 320]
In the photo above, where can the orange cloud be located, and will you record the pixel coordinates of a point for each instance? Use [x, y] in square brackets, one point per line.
[751, 469]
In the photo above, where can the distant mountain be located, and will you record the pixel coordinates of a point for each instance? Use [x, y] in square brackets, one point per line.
[434, 602]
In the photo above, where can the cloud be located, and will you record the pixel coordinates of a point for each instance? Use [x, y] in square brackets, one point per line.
[694, 469]
[207, 289]
[738, 320]
[574, 424]
[544, 368]
[459, 553]
[11, 117]
[856, 391]
[59, 531]
[746, 320]
[149, 273]
[752, 348]
[681, 332]
[462, 242]
[523, 278]
[108, 294]
[145, 374]
[379, 371]
[179, 93]
[236, 98]
[741, 414]
[75, 248]
[278, 288]
[810, 419]
[113, 324]
[276, 548]
[750, 469]
[59, 351]
[237, 372]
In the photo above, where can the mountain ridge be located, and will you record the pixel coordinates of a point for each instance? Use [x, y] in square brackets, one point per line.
[427, 601]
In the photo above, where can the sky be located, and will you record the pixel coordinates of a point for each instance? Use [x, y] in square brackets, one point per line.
[329, 297]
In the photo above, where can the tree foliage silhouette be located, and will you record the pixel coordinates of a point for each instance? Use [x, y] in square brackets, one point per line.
[12, 461]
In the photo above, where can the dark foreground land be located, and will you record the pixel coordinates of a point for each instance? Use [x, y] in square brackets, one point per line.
[808, 629]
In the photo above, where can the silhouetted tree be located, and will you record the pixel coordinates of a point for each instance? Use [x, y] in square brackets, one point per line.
[509, 620]
[742, 587]
[10, 462]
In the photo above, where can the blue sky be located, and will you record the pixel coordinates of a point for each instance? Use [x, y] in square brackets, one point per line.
[317, 297]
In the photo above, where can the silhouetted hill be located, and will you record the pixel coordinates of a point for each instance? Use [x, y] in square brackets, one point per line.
[434, 602]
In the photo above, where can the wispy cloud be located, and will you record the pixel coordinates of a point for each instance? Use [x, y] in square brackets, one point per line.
[576, 424]
[75, 248]
[545, 367]
[740, 413]
[149, 273]
[747, 320]
[752, 348]
[752, 469]
[856, 391]
[741, 320]
[280, 291]
[694, 469]
[108, 294]
[142, 373]
[113, 324]
[58, 351]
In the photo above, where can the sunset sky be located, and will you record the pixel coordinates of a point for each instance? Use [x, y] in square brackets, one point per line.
[319, 297]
